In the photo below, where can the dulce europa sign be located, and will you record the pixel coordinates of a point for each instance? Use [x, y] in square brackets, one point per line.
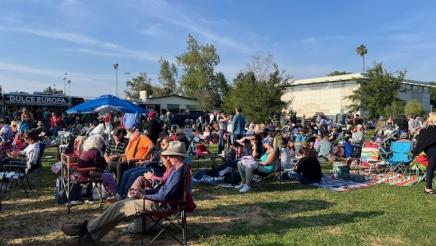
[36, 100]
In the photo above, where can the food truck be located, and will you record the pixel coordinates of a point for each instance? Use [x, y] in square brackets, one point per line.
[37, 102]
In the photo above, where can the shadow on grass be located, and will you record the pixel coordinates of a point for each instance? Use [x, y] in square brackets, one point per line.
[275, 208]
[281, 225]
[209, 191]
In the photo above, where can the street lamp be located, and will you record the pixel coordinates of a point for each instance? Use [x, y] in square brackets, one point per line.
[65, 85]
[116, 78]
[69, 87]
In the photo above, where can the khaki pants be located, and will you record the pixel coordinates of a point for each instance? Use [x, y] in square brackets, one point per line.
[115, 213]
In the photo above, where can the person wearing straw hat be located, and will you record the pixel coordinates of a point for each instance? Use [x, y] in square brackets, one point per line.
[89, 232]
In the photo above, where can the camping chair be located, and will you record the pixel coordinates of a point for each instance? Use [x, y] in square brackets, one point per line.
[171, 218]
[277, 171]
[17, 170]
[68, 182]
[400, 157]
[369, 156]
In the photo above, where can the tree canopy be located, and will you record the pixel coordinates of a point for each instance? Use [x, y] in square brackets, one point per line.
[260, 99]
[377, 90]
[337, 72]
[53, 91]
[413, 107]
[168, 77]
[141, 83]
[199, 79]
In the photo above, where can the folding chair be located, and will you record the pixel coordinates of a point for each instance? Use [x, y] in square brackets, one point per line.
[171, 218]
[400, 157]
[277, 171]
[17, 170]
[67, 183]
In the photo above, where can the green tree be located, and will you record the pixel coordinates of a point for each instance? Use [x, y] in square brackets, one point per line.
[168, 77]
[413, 107]
[140, 83]
[260, 100]
[377, 90]
[361, 50]
[52, 91]
[395, 109]
[433, 95]
[198, 63]
[337, 72]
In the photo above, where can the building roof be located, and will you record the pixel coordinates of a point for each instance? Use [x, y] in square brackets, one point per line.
[349, 77]
[188, 98]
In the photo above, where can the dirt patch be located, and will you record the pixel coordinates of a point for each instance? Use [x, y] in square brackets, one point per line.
[388, 240]
[255, 216]
[333, 230]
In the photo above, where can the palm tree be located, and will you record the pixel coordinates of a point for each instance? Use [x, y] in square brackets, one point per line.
[362, 51]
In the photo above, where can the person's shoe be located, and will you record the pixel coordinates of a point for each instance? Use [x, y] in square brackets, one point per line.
[430, 191]
[81, 240]
[239, 186]
[113, 199]
[75, 229]
[74, 203]
[245, 189]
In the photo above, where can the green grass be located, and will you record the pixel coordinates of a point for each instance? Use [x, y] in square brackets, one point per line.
[298, 215]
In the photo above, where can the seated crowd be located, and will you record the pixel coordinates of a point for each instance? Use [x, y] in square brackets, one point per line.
[142, 164]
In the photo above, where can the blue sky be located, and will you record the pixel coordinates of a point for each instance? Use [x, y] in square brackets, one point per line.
[40, 40]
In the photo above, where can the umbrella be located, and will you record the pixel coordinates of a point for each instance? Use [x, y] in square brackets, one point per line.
[106, 104]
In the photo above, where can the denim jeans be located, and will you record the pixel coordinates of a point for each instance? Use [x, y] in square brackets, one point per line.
[297, 177]
[128, 178]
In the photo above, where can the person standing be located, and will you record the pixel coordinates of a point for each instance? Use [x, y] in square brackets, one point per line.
[238, 124]
[426, 141]
[153, 127]
[26, 120]
[222, 119]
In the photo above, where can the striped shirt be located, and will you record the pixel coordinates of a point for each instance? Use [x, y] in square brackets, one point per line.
[113, 149]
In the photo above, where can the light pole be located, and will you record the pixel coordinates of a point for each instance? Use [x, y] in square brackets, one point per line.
[65, 85]
[116, 78]
[69, 87]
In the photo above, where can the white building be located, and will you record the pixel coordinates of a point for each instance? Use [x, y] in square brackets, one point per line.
[328, 94]
[174, 103]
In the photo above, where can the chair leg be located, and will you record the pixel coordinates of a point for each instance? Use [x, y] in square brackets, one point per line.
[27, 179]
[24, 187]
[184, 229]
[100, 197]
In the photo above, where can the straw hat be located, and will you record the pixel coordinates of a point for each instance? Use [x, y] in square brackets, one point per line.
[175, 148]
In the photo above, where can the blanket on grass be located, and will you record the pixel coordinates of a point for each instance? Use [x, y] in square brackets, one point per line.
[398, 179]
[334, 184]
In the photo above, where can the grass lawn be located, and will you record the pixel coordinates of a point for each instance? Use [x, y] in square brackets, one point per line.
[298, 215]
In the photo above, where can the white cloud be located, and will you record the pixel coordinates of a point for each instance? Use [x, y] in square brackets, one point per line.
[28, 78]
[178, 15]
[81, 39]
[152, 30]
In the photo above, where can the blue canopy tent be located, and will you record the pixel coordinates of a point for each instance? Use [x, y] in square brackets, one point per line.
[106, 104]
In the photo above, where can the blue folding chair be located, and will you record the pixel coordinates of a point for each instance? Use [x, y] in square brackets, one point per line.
[400, 157]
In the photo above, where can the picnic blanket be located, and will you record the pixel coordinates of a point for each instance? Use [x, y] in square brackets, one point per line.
[397, 179]
[218, 181]
[334, 184]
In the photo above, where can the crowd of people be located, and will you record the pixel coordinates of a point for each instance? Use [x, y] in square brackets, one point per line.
[141, 157]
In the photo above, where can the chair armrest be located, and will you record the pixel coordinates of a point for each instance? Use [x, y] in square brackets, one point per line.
[167, 202]
[12, 167]
[17, 162]
[86, 169]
